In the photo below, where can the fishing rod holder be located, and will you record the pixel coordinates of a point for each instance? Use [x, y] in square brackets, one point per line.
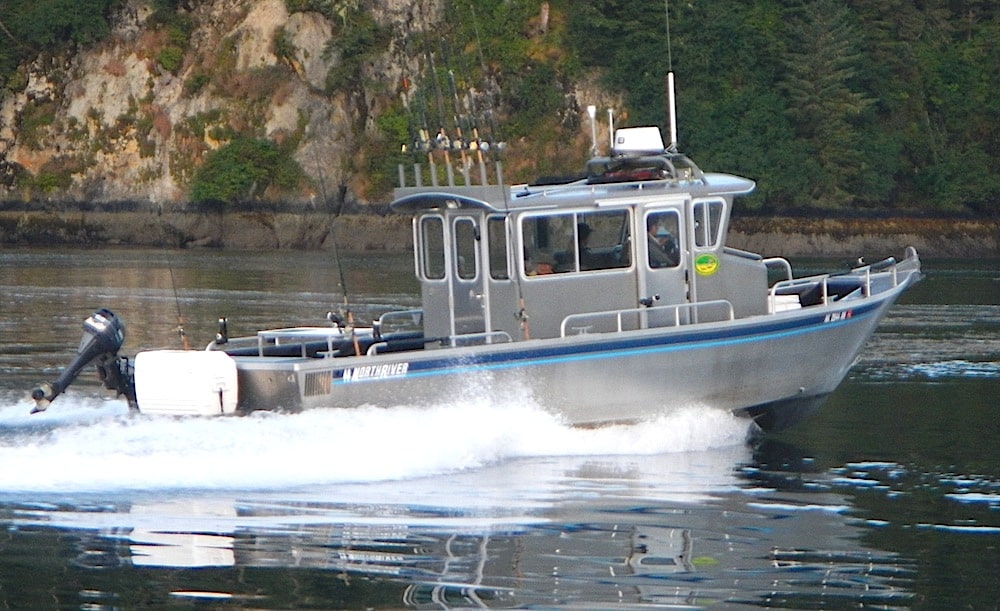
[418, 175]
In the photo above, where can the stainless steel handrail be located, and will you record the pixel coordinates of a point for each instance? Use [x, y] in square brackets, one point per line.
[795, 283]
[888, 268]
[643, 312]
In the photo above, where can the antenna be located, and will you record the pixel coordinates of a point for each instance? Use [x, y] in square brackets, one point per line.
[671, 99]
[672, 109]
[592, 113]
[611, 130]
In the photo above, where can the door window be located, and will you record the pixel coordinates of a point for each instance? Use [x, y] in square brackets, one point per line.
[662, 235]
[466, 239]
[432, 252]
[496, 235]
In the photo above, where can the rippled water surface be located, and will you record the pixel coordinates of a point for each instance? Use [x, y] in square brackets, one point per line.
[889, 497]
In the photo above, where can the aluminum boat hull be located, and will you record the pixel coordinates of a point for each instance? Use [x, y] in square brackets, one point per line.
[773, 368]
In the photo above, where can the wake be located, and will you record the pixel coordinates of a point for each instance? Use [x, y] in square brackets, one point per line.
[84, 444]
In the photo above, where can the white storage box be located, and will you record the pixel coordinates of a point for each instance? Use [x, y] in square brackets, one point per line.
[185, 382]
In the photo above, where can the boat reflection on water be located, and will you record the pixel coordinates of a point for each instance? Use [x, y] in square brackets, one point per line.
[675, 529]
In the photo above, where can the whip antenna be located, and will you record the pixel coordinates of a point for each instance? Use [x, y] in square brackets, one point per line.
[671, 100]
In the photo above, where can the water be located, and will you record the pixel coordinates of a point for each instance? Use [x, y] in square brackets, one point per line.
[889, 497]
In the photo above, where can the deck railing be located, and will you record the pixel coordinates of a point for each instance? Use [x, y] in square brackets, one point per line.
[888, 268]
[672, 315]
[302, 336]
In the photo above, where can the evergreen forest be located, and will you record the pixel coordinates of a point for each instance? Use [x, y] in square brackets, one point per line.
[840, 106]
[859, 104]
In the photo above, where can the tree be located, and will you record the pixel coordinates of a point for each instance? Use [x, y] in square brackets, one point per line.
[242, 170]
[824, 103]
[28, 27]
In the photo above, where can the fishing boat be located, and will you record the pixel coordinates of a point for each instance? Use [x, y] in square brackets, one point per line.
[607, 298]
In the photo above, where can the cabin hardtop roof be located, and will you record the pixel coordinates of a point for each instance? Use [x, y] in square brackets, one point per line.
[638, 163]
[496, 198]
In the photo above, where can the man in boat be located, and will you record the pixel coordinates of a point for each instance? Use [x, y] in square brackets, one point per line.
[533, 267]
[661, 244]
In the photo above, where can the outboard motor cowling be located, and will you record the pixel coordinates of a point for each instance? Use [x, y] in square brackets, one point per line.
[103, 336]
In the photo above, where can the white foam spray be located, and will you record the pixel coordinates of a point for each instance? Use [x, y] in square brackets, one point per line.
[83, 444]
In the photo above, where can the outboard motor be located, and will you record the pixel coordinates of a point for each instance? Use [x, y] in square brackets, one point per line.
[103, 336]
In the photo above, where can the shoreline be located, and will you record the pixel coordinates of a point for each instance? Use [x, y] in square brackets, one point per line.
[769, 236]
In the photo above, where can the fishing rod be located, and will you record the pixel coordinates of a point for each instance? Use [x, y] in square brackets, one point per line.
[336, 256]
[522, 313]
[442, 140]
[458, 127]
[425, 142]
[490, 116]
[173, 286]
[177, 303]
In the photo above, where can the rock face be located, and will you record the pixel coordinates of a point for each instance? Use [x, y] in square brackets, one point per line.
[131, 119]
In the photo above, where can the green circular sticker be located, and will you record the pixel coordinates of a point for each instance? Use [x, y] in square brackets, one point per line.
[706, 264]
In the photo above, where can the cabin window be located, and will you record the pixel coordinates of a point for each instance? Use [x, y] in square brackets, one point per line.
[496, 236]
[466, 240]
[707, 223]
[603, 239]
[575, 242]
[662, 234]
[432, 252]
[545, 241]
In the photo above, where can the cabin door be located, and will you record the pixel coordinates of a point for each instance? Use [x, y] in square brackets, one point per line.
[466, 277]
[661, 249]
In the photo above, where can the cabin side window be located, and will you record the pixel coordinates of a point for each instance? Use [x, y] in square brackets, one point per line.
[432, 247]
[496, 236]
[708, 223]
[576, 242]
[539, 235]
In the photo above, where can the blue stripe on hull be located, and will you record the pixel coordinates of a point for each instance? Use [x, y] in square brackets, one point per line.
[619, 348]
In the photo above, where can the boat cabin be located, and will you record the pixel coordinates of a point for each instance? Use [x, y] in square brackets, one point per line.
[638, 242]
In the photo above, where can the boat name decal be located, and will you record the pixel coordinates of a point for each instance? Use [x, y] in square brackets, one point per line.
[706, 264]
[375, 372]
[834, 316]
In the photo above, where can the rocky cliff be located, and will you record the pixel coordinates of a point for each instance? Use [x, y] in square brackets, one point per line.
[132, 119]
